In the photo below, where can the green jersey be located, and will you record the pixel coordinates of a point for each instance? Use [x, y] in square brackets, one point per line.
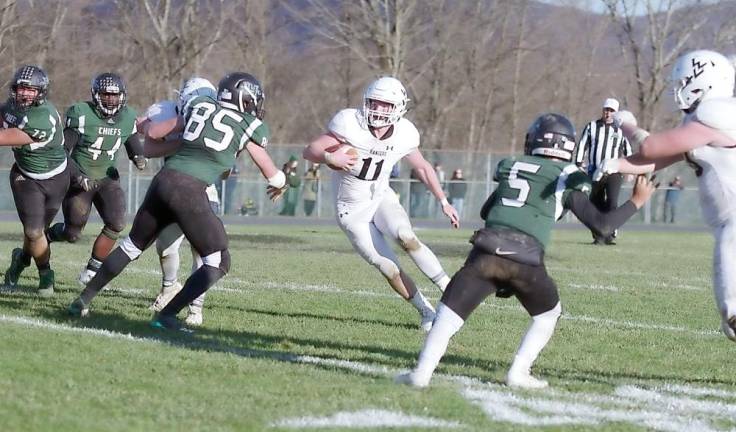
[99, 138]
[45, 156]
[531, 194]
[212, 138]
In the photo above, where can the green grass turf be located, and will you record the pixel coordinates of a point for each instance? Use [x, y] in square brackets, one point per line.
[638, 339]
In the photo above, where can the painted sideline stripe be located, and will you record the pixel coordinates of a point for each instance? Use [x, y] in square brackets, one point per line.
[368, 418]
[662, 407]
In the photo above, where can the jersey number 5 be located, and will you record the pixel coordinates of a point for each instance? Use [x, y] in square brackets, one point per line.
[520, 184]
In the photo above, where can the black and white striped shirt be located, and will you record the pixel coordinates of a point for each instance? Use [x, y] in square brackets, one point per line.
[600, 141]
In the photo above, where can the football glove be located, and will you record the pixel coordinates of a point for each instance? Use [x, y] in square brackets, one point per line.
[621, 117]
[86, 183]
[140, 162]
[276, 193]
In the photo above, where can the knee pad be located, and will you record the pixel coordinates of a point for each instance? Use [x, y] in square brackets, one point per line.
[112, 232]
[33, 233]
[130, 249]
[408, 239]
[219, 259]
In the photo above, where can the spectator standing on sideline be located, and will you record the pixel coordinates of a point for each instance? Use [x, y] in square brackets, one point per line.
[670, 199]
[602, 140]
[231, 185]
[456, 190]
[311, 186]
[291, 199]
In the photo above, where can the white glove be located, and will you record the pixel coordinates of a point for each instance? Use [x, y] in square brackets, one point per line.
[609, 166]
[620, 117]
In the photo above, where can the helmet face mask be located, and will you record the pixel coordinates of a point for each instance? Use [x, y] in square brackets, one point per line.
[700, 75]
[551, 135]
[109, 94]
[194, 87]
[25, 80]
[242, 92]
[384, 102]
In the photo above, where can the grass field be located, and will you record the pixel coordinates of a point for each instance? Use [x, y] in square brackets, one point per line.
[302, 334]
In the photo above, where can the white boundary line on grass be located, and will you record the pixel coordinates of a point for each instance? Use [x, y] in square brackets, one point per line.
[662, 407]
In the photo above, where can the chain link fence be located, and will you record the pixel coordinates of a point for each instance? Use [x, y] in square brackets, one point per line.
[244, 192]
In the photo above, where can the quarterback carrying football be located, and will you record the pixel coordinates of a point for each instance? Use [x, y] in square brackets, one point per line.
[365, 207]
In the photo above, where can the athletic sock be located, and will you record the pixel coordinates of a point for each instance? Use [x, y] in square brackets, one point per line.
[197, 284]
[446, 324]
[420, 302]
[113, 265]
[169, 268]
[536, 338]
[428, 263]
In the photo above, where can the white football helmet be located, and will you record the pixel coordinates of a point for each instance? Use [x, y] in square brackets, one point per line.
[193, 87]
[389, 90]
[700, 75]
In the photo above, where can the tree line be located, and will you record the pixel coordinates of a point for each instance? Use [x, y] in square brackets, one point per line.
[478, 71]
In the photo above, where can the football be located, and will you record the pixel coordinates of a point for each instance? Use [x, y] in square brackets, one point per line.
[344, 148]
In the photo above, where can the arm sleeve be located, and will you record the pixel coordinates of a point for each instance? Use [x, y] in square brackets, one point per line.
[582, 146]
[134, 146]
[602, 224]
[71, 138]
[487, 206]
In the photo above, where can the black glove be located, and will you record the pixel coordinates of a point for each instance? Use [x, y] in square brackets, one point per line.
[140, 162]
[86, 183]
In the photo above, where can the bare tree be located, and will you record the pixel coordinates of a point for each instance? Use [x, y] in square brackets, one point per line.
[669, 26]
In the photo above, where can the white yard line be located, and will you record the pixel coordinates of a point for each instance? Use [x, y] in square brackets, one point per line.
[659, 406]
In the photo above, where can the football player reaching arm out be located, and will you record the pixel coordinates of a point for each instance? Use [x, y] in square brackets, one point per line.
[703, 88]
[507, 257]
[427, 175]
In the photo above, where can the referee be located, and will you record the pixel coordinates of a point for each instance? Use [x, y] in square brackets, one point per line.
[602, 140]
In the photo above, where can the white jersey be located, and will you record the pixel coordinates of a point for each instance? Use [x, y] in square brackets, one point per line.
[368, 180]
[717, 181]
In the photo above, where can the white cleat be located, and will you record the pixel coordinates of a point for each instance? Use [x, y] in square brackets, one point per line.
[412, 379]
[525, 380]
[194, 318]
[163, 298]
[86, 275]
[428, 316]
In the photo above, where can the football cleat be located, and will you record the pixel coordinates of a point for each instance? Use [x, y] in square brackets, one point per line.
[524, 380]
[86, 275]
[12, 274]
[164, 297]
[169, 322]
[78, 308]
[194, 318]
[412, 379]
[427, 315]
[46, 283]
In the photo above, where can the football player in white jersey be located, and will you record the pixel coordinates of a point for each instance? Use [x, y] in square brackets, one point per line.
[170, 239]
[703, 84]
[366, 208]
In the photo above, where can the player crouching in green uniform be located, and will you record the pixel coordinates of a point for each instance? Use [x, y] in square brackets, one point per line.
[508, 254]
[40, 177]
[92, 136]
